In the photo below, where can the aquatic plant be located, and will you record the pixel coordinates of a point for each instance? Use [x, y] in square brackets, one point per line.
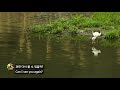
[113, 34]
[108, 21]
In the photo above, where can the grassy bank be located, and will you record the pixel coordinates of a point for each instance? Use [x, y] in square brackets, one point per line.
[107, 21]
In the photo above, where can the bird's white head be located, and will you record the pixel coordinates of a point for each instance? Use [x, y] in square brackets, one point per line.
[96, 34]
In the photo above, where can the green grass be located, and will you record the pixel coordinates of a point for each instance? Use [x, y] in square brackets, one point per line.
[113, 34]
[109, 21]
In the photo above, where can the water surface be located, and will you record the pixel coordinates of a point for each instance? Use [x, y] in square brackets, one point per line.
[61, 58]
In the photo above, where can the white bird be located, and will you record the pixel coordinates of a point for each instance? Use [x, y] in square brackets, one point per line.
[95, 35]
[95, 51]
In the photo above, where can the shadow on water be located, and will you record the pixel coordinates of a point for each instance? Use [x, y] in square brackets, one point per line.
[63, 57]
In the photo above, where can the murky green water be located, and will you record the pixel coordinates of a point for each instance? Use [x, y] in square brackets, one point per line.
[61, 58]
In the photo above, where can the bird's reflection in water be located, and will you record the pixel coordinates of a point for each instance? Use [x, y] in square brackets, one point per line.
[95, 51]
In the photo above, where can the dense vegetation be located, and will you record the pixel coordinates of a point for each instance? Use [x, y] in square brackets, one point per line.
[108, 22]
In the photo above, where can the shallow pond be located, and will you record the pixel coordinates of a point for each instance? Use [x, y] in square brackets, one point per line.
[61, 58]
